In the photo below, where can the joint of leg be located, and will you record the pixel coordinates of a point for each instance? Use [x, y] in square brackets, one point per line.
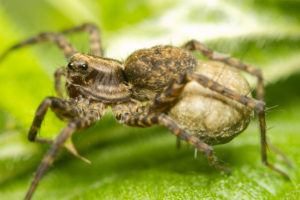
[212, 159]
[154, 120]
[218, 56]
[89, 25]
[209, 152]
[49, 99]
[59, 72]
[76, 124]
[31, 137]
[55, 103]
[47, 35]
[265, 162]
[191, 77]
[191, 45]
[43, 107]
[260, 107]
[258, 74]
[46, 103]
[182, 79]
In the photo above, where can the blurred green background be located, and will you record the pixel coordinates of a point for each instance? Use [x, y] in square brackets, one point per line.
[132, 163]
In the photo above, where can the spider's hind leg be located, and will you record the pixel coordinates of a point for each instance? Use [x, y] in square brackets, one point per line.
[170, 95]
[199, 145]
[149, 119]
[195, 45]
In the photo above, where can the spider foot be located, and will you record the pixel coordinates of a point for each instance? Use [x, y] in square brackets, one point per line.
[216, 163]
[278, 171]
[281, 156]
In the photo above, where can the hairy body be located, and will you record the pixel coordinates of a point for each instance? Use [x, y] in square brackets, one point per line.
[152, 87]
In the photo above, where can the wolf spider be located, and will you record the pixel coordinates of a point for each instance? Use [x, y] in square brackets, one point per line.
[140, 91]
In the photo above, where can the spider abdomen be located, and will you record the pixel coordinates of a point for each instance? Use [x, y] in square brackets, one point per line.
[150, 70]
[210, 116]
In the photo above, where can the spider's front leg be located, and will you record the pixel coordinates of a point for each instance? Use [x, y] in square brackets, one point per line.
[170, 95]
[94, 36]
[78, 114]
[52, 153]
[50, 156]
[61, 42]
[57, 38]
[59, 106]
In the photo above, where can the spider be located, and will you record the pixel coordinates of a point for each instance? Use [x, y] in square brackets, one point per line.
[142, 91]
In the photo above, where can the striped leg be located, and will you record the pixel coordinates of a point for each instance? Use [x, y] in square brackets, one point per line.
[61, 41]
[59, 73]
[195, 45]
[50, 156]
[173, 91]
[59, 106]
[195, 141]
[56, 38]
[164, 120]
[94, 35]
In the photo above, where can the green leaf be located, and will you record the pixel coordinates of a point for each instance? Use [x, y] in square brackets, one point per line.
[135, 163]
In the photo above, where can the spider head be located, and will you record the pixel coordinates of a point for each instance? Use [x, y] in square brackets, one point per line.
[97, 77]
[79, 66]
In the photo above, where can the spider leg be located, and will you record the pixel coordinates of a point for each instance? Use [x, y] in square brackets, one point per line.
[76, 120]
[94, 35]
[50, 156]
[201, 146]
[164, 101]
[58, 106]
[59, 73]
[283, 157]
[144, 120]
[195, 45]
[57, 38]
[62, 42]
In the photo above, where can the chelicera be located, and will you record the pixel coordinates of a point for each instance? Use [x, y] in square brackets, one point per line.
[147, 89]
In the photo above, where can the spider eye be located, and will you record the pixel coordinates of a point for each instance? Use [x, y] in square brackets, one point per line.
[78, 66]
[83, 66]
[71, 65]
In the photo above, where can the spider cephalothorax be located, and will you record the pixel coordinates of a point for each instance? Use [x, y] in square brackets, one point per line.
[98, 78]
[148, 89]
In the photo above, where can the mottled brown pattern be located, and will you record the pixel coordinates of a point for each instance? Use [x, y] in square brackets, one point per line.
[150, 70]
[141, 92]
